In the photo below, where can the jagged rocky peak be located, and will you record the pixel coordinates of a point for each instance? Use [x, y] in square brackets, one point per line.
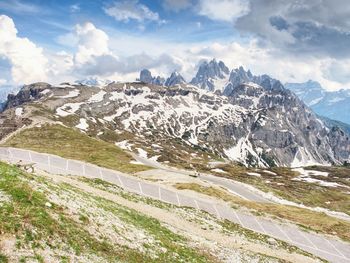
[146, 77]
[211, 75]
[174, 79]
[239, 76]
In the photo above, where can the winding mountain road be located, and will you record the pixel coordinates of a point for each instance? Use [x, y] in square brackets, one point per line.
[325, 247]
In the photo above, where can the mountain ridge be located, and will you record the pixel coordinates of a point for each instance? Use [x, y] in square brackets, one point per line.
[331, 104]
[256, 125]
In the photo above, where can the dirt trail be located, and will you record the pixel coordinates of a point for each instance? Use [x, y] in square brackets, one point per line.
[186, 228]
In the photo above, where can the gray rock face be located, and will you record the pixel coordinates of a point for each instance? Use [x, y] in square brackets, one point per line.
[174, 79]
[26, 94]
[208, 73]
[146, 77]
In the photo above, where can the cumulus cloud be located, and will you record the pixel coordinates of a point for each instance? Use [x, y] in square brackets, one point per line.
[94, 57]
[131, 10]
[304, 27]
[28, 64]
[223, 10]
[91, 42]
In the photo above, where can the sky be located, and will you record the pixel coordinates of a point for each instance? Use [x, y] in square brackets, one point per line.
[64, 41]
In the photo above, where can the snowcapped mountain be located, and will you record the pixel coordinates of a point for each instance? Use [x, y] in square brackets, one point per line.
[255, 124]
[331, 104]
[211, 76]
[93, 81]
[174, 79]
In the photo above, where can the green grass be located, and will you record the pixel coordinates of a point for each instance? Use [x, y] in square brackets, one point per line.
[3, 258]
[27, 211]
[37, 226]
[70, 143]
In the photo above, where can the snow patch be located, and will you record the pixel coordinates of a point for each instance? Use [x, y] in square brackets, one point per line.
[83, 125]
[305, 176]
[98, 97]
[68, 109]
[254, 174]
[124, 145]
[304, 158]
[218, 170]
[71, 94]
[45, 91]
[155, 158]
[269, 172]
[19, 112]
[142, 153]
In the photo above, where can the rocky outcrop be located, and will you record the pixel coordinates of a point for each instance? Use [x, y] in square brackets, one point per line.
[26, 94]
[146, 77]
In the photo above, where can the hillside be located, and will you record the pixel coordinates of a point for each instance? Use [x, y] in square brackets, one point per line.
[156, 137]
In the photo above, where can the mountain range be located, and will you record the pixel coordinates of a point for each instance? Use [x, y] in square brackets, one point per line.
[252, 120]
[331, 104]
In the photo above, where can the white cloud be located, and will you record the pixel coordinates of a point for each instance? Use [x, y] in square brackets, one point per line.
[131, 10]
[338, 70]
[99, 54]
[91, 42]
[18, 7]
[28, 64]
[223, 10]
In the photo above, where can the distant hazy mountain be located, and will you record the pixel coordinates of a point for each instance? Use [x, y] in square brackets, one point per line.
[332, 104]
[93, 81]
[333, 123]
[174, 79]
[146, 77]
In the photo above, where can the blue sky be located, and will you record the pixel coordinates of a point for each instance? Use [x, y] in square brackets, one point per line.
[66, 40]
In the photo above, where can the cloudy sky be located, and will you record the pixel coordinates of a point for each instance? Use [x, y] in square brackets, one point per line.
[56, 41]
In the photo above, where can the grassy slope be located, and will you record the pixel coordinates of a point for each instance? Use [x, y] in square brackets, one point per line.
[37, 227]
[316, 221]
[70, 143]
[309, 194]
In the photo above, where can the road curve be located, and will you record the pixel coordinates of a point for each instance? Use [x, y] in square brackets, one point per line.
[234, 187]
[325, 247]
